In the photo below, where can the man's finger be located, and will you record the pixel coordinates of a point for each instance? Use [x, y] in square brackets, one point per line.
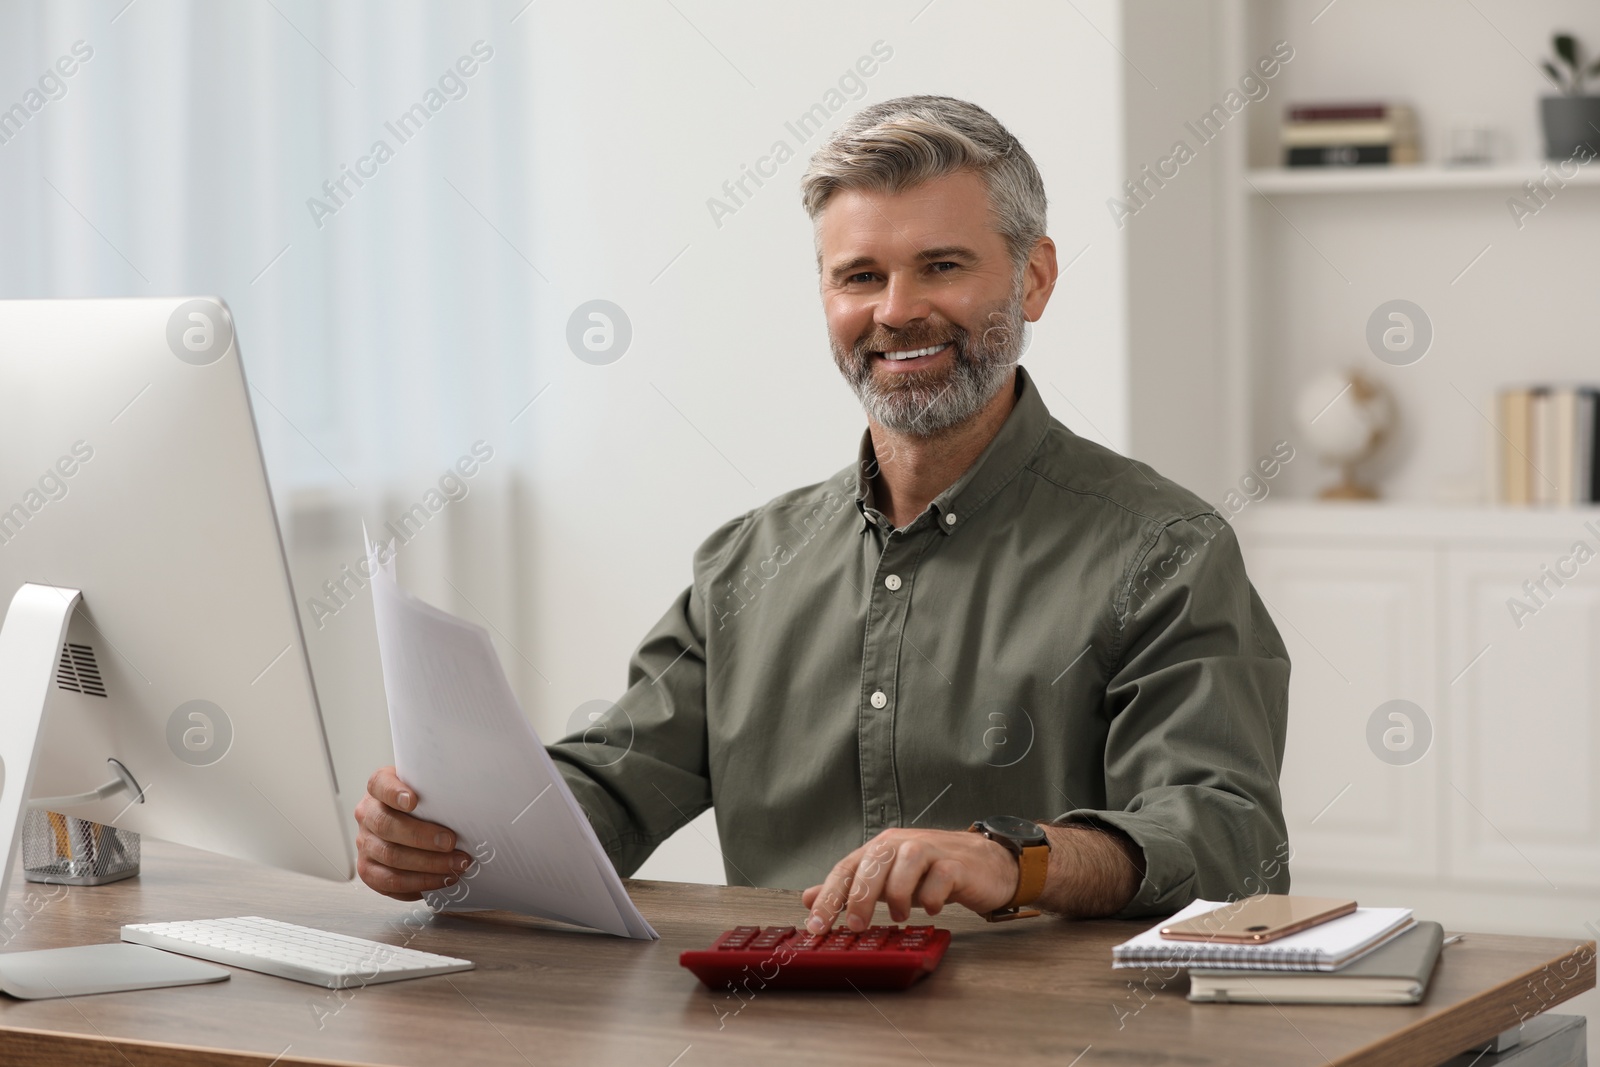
[403, 829]
[934, 890]
[385, 785]
[881, 857]
[401, 885]
[900, 888]
[404, 858]
[830, 897]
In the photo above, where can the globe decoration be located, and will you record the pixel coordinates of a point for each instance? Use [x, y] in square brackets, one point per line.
[1345, 418]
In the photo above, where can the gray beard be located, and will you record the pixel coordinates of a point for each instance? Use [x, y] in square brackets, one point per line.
[924, 404]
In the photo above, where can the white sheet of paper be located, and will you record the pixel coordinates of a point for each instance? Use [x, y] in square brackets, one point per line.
[462, 741]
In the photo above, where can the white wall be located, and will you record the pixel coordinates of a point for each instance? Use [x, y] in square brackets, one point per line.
[639, 118]
[1176, 289]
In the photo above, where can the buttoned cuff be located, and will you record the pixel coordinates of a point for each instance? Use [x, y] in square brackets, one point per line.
[1169, 865]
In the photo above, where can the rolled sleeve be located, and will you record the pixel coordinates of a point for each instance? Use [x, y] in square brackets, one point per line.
[1197, 704]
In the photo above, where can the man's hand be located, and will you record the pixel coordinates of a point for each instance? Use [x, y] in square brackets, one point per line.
[925, 869]
[397, 854]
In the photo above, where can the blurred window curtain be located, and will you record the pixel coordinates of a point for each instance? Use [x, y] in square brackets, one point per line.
[234, 149]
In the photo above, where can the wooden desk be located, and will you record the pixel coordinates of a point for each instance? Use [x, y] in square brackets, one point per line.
[1015, 992]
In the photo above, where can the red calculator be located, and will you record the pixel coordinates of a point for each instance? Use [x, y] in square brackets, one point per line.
[781, 957]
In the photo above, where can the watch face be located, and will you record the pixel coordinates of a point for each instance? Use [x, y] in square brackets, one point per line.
[1023, 831]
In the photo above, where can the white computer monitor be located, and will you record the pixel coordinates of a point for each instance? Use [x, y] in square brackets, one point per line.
[131, 475]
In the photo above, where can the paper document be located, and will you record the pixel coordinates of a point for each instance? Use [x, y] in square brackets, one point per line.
[462, 741]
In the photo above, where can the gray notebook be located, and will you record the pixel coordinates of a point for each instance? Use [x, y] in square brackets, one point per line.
[1394, 973]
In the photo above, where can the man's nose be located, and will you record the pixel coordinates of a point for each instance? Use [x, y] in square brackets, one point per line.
[904, 301]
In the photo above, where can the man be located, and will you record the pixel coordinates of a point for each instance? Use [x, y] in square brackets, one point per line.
[986, 620]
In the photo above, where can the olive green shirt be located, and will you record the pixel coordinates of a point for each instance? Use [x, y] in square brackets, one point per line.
[1063, 635]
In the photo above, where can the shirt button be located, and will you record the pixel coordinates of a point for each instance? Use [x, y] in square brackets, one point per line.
[878, 699]
[892, 582]
[950, 519]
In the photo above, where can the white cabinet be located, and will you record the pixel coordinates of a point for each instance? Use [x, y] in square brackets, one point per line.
[1379, 603]
[1524, 737]
[1356, 641]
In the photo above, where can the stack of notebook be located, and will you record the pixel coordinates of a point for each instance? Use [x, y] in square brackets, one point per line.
[1372, 956]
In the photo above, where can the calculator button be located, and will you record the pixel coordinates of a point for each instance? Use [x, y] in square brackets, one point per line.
[770, 937]
[739, 937]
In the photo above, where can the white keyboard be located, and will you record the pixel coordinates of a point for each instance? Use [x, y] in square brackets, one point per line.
[335, 961]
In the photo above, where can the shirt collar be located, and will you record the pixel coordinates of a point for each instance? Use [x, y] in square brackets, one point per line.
[1019, 438]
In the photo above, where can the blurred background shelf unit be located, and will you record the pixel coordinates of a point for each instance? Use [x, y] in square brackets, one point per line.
[1397, 602]
[1498, 824]
[1301, 258]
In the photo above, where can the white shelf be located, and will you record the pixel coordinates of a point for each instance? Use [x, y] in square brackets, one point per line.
[1405, 178]
[1307, 521]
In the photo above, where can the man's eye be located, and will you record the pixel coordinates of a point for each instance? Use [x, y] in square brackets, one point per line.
[938, 267]
[862, 277]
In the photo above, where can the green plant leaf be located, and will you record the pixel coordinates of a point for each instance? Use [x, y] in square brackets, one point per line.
[1555, 76]
[1594, 69]
[1567, 49]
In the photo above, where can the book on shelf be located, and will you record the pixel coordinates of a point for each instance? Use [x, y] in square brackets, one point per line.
[1347, 135]
[1345, 155]
[1369, 132]
[1563, 436]
[1327, 946]
[1541, 447]
[1348, 112]
[1549, 453]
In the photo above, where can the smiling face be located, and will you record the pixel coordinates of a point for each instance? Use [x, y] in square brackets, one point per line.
[925, 308]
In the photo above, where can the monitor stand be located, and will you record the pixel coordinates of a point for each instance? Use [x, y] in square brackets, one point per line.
[30, 643]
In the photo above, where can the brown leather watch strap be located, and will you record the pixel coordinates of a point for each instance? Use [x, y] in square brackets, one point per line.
[1033, 868]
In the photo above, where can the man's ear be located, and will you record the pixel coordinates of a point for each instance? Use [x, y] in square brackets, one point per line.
[1039, 279]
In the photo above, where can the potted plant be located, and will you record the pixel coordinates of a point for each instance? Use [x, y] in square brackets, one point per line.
[1571, 120]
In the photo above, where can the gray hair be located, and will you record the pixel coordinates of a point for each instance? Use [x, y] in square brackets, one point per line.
[904, 142]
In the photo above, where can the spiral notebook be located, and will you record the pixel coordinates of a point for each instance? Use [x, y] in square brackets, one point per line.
[1326, 947]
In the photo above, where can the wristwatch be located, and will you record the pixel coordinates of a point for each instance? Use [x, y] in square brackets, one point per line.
[1027, 841]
